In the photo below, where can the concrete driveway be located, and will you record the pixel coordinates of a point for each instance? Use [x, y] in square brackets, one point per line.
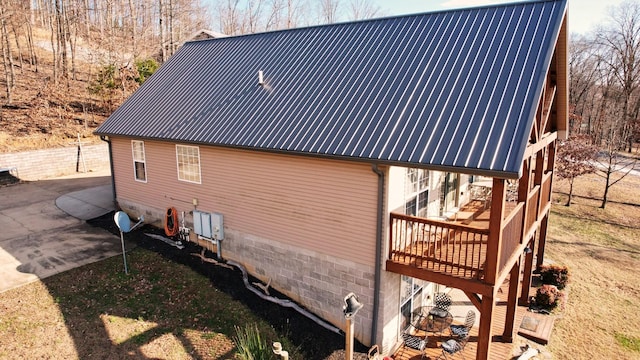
[38, 239]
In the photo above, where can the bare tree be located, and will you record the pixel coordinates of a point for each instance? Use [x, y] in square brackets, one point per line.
[161, 22]
[362, 9]
[275, 15]
[169, 22]
[575, 158]
[612, 166]
[253, 16]
[17, 11]
[7, 56]
[329, 11]
[229, 16]
[293, 8]
[620, 41]
[28, 20]
[61, 37]
[584, 65]
[249, 16]
[605, 90]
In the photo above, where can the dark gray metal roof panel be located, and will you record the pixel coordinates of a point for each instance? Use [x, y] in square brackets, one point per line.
[450, 90]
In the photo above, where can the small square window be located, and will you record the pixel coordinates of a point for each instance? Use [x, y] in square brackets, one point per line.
[188, 158]
[139, 161]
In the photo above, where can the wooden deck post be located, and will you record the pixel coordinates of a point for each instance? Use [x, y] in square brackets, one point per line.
[524, 184]
[540, 166]
[510, 317]
[542, 241]
[485, 330]
[498, 195]
[526, 276]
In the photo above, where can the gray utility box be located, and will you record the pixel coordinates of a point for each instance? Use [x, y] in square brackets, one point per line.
[208, 225]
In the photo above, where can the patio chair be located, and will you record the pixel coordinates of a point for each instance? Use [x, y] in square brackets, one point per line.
[442, 302]
[413, 341]
[462, 331]
[452, 347]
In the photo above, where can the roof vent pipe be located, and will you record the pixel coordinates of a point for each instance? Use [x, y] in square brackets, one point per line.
[260, 78]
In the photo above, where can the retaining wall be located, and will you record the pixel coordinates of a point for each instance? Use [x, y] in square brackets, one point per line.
[48, 163]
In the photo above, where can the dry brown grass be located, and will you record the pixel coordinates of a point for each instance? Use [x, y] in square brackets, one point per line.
[601, 247]
[161, 310]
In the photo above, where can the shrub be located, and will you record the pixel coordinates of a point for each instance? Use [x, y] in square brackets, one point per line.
[145, 69]
[555, 275]
[548, 297]
[250, 344]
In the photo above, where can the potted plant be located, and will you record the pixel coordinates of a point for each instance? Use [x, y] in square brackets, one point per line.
[554, 275]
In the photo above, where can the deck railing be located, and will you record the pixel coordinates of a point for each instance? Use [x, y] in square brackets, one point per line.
[511, 234]
[532, 208]
[545, 193]
[450, 248]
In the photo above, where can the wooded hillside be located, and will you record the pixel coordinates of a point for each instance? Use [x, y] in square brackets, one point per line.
[68, 63]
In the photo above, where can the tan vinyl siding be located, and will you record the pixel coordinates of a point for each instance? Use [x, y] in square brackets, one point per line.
[323, 205]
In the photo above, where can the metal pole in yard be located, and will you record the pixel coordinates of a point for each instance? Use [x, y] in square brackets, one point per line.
[124, 254]
[348, 353]
[350, 308]
[81, 155]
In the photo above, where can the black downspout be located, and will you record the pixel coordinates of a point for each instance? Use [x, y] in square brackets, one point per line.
[113, 179]
[378, 270]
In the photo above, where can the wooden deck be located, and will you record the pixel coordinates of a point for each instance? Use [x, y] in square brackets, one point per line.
[439, 246]
[500, 350]
[456, 247]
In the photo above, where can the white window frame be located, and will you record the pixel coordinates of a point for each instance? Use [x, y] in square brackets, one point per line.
[136, 160]
[445, 208]
[188, 150]
[414, 298]
[417, 191]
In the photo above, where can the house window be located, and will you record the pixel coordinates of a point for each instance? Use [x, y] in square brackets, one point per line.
[416, 192]
[139, 162]
[188, 158]
[449, 192]
[411, 297]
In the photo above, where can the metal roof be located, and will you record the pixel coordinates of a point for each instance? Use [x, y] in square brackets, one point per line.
[453, 90]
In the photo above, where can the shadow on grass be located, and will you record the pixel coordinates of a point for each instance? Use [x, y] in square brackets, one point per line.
[162, 291]
[110, 315]
[594, 250]
[594, 199]
[588, 218]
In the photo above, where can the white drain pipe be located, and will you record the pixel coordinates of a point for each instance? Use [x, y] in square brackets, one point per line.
[283, 302]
